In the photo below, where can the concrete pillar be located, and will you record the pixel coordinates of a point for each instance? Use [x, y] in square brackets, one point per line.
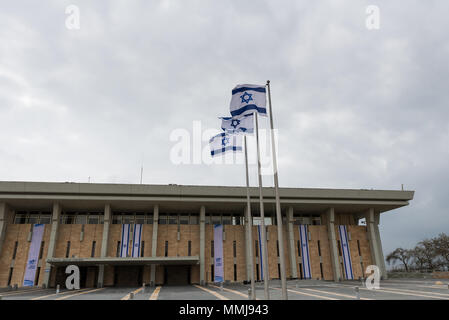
[291, 243]
[104, 243]
[372, 223]
[52, 244]
[154, 243]
[333, 243]
[202, 243]
[3, 222]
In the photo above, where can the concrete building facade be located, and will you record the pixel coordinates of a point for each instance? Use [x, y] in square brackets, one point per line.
[83, 226]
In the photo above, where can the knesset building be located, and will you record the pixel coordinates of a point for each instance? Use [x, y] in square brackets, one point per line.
[126, 234]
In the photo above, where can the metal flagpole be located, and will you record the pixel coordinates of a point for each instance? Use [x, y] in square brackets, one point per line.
[278, 203]
[262, 217]
[250, 225]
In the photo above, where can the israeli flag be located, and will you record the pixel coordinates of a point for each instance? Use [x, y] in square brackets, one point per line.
[244, 125]
[247, 99]
[225, 142]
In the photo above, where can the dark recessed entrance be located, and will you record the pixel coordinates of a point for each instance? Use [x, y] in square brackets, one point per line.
[88, 277]
[129, 276]
[176, 275]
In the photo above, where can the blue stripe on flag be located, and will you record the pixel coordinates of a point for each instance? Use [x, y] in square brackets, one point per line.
[218, 151]
[249, 107]
[258, 89]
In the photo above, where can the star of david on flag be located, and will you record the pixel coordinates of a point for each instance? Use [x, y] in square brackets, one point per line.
[242, 125]
[247, 99]
[225, 142]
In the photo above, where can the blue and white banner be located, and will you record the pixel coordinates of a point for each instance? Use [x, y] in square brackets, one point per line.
[125, 241]
[247, 99]
[225, 142]
[218, 253]
[347, 263]
[33, 255]
[243, 125]
[304, 239]
[137, 236]
[260, 252]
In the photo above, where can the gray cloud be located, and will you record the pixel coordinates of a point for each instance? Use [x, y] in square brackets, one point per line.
[355, 108]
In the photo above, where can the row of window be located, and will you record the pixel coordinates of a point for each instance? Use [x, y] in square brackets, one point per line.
[141, 218]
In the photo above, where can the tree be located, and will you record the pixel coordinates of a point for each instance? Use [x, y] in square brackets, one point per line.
[402, 255]
[441, 247]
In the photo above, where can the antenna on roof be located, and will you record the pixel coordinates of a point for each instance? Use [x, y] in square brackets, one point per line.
[402, 187]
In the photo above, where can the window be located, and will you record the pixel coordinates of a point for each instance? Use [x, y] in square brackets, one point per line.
[277, 247]
[166, 248]
[279, 270]
[216, 219]
[212, 273]
[32, 219]
[299, 249]
[319, 248]
[234, 247]
[363, 269]
[257, 273]
[227, 220]
[212, 248]
[316, 221]
[300, 270]
[142, 249]
[163, 219]
[128, 219]
[193, 219]
[10, 276]
[118, 249]
[15, 250]
[358, 247]
[36, 279]
[207, 220]
[339, 247]
[149, 219]
[257, 248]
[236, 221]
[321, 270]
[67, 252]
[189, 248]
[20, 218]
[116, 219]
[41, 251]
[81, 219]
[140, 218]
[94, 243]
[173, 219]
[183, 219]
[235, 272]
[93, 219]
[69, 219]
[45, 219]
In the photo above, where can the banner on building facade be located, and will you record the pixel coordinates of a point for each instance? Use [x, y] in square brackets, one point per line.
[124, 241]
[137, 240]
[218, 253]
[33, 255]
[304, 239]
[347, 263]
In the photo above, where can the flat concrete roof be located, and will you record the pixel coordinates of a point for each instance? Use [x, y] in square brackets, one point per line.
[188, 197]
[190, 260]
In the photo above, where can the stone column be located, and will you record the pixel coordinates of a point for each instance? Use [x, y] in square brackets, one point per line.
[3, 222]
[154, 243]
[291, 243]
[372, 223]
[104, 243]
[202, 243]
[333, 243]
[52, 244]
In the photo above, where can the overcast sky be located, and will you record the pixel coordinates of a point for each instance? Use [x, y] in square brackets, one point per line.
[355, 108]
